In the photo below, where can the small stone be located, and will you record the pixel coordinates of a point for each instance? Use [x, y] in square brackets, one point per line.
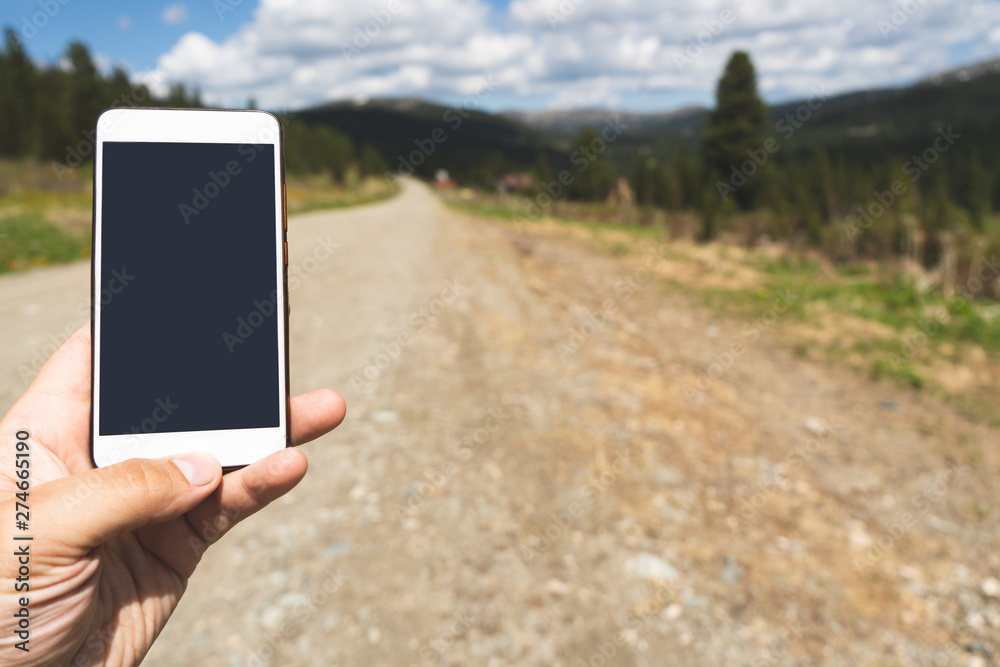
[858, 536]
[670, 476]
[336, 549]
[673, 611]
[385, 416]
[271, 616]
[815, 426]
[293, 599]
[374, 635]
[991, 588]
[731, 572]
[648, 566]
[557, 587]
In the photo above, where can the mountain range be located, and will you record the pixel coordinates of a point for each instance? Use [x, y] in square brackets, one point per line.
[477, 141]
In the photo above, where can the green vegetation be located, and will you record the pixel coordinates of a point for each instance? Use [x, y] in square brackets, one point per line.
[47, 118]
[28, 239]
[318, 192]
[49, 113]
[861, 314]
[45, 225]
[591, 216]
[872, 175]
[736, 124]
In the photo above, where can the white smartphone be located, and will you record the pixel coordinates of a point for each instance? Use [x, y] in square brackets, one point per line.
[189, 286]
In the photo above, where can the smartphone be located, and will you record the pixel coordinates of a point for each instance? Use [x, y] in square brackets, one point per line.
[189, 286]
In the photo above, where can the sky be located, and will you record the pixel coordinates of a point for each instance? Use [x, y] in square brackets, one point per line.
[633, 55]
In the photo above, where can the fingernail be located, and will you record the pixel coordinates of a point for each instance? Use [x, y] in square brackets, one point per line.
[198, 468]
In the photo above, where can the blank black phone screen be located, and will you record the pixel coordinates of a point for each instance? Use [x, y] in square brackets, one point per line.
[189, 311]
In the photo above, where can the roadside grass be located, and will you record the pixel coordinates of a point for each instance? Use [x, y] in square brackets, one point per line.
[28, 240]
[39, 227]
[321, 192]
[865, 316]
[43, 227]
[492, 208]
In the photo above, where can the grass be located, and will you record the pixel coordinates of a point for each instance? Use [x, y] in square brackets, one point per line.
[920, 330]
[42, 227]
[47, 226]
[491, 208]
[29, 240]
[864, 315]
[319, 192]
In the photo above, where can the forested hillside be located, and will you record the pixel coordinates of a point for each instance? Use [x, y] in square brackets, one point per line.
[874, 174]
[48, 113]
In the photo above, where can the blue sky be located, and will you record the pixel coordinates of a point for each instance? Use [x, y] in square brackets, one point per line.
[134, 34]
[497, 54]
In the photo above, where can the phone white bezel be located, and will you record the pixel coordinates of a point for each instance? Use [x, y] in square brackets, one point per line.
[234, 447]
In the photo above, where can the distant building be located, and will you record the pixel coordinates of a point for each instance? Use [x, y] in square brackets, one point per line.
[523, 182]
[442, 181]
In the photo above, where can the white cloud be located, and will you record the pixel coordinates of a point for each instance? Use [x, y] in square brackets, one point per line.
[175, 13]
[575, 52]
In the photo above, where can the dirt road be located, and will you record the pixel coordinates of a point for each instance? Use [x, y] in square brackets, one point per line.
[550, 458]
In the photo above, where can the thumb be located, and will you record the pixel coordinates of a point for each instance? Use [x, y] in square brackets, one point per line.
[87, 509]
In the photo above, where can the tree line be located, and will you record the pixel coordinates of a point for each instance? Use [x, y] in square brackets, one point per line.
[929, 195]
[48, 112]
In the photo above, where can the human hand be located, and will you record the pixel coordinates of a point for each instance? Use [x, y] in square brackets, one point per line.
[113, 548]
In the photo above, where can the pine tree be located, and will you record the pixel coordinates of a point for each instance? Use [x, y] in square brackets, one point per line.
[371, 161]
[594, 175]
[733, 129]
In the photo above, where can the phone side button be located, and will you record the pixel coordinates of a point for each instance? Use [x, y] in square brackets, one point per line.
[285, 244]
